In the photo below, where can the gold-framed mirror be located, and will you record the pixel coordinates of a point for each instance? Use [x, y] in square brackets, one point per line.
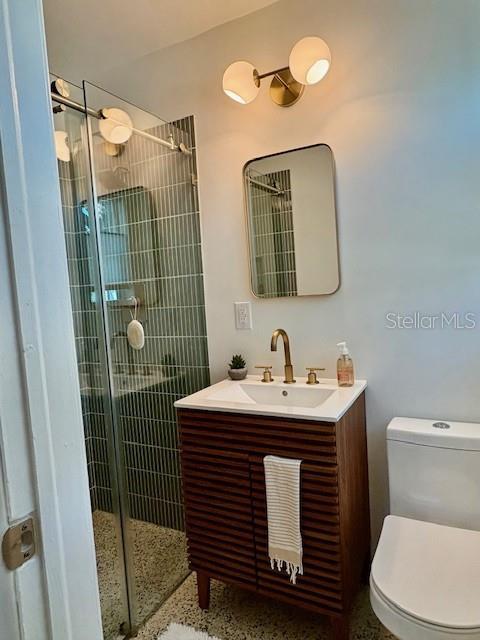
[292, 223]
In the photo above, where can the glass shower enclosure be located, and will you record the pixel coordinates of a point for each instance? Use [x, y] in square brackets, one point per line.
[131, 220]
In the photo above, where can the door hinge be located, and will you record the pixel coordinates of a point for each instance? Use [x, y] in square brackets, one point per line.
[18, 544]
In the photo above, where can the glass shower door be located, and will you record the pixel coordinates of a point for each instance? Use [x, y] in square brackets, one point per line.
[148, 235]
[83, 267]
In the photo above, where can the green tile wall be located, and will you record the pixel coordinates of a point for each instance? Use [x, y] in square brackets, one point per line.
[272, 235]
[150, 247]
[74, 187]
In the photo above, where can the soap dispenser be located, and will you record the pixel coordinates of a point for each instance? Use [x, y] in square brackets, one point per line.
[345, 375]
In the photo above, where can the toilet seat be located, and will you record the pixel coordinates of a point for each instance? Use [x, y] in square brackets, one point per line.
[425, 580]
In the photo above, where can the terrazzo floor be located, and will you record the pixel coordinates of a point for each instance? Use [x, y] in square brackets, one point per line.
[238, 615]
[159, 561]
[159, 557]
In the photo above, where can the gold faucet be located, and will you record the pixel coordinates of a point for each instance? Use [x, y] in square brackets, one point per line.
[286, 347]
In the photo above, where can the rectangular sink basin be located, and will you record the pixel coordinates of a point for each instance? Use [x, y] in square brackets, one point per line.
[287, 395]
[323, 402]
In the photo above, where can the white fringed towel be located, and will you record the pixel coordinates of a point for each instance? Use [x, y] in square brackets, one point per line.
[282, 482]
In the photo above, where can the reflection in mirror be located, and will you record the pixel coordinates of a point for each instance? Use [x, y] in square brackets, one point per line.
[292, 227]
[119, 213]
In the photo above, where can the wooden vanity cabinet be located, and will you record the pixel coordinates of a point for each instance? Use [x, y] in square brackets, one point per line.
[225, 505]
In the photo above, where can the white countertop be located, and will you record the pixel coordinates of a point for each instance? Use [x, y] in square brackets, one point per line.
[326, 401]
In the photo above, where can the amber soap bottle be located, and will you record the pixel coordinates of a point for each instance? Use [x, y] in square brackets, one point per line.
[345, 374]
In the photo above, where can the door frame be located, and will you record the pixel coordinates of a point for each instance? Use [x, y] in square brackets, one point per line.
[42, 446]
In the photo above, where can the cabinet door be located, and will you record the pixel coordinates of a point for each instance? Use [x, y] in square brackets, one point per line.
[218, 510]
[320, 587]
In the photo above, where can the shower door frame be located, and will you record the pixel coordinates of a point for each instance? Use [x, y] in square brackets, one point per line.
[116, 462]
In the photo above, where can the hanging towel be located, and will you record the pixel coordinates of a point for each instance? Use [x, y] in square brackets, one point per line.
[282, 482]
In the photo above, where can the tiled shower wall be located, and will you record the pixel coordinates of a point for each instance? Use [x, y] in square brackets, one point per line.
[149, 200]
[74, 186]
[272, 235]
[151, 249]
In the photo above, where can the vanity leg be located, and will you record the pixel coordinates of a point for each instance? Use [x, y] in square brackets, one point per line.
[203, 587]
[340, 627]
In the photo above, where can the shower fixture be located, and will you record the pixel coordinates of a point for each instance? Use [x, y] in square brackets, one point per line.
[308, 63]
[59, 108]
[115, 124]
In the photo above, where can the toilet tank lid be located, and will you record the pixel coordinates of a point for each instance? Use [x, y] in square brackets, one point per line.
[453, 435]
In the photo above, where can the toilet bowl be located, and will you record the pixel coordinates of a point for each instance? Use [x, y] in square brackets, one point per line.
[425, 576]
[425, 580]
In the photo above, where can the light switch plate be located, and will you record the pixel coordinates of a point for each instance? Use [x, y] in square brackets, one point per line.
[243, 315]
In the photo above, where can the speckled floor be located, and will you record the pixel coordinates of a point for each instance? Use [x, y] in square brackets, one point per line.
[160, 564]
[238, 615]
[159, 561]
[109, 571]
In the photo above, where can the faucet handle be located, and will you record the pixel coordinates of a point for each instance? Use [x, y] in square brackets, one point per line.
[312, 376]
[267, 373]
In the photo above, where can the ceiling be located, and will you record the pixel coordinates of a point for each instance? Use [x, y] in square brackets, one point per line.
[86, 37]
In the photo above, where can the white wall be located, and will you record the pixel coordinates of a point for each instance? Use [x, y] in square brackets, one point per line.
[401, 110]
[314, 221]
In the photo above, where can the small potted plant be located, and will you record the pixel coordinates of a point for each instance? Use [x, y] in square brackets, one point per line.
[237, 368]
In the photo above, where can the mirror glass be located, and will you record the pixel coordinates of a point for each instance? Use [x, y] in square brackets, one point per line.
[292, 226]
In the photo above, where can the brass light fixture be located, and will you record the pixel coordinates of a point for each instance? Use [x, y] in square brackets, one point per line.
[308, 63]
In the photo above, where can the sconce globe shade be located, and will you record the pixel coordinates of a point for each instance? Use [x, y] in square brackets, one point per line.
[310, 60]
[61, 146]
[116, 125]
[239, 82]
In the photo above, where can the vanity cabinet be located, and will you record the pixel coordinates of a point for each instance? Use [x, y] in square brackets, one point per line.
[225, 505]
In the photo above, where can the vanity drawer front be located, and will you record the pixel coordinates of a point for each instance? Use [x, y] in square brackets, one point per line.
[218, 513]
[261, 435]
[320, 588]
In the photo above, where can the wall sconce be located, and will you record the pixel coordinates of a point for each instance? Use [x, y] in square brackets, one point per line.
[308, 63]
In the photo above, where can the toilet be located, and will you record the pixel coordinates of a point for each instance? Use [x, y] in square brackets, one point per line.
[425, 575]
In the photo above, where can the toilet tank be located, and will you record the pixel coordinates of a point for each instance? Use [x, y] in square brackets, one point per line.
[434, 471]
